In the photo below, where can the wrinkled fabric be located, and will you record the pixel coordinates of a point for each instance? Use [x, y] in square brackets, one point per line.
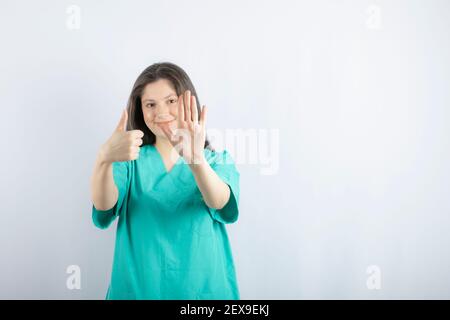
[169, 243]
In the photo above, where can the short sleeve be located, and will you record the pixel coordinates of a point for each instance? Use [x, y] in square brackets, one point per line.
[223, 164]
[121, 173]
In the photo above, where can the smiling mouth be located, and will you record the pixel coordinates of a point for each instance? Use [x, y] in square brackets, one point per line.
[164, 118]
[164, 122]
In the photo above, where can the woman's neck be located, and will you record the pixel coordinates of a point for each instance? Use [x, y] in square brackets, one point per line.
[166, 150]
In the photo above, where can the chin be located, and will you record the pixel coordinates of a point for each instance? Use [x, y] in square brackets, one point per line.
[159, 133]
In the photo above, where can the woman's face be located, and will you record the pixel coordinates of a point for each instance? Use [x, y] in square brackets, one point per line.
[159, 105]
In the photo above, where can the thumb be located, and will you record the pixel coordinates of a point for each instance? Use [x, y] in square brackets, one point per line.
[122, 125]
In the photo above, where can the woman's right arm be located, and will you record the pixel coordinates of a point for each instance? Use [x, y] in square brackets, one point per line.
[123, 145]
[104, 191]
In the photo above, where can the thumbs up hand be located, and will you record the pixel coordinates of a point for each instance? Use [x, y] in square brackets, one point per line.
[123, 145]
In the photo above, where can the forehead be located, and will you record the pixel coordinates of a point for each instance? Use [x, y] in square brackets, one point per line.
[158, 90]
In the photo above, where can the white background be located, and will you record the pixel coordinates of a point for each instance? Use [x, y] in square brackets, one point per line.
[359, 91]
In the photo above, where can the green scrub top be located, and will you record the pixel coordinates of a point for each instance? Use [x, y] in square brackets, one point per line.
[169, 243]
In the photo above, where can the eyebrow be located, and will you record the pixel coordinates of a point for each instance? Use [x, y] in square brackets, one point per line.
[172, 94]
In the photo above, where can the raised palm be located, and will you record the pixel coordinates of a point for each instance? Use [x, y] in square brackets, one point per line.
[188, 138]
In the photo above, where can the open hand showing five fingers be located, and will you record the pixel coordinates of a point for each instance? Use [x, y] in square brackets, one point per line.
[189, 137]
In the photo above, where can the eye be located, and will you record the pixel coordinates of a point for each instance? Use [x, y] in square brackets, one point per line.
[173, 100]
[150, 105]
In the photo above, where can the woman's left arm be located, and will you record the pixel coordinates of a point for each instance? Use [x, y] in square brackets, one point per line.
[192, 129]
[215, 192]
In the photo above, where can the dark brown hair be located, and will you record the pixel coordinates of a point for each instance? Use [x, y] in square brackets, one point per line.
[162, 70]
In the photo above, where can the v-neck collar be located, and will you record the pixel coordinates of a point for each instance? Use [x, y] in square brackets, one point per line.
[162, 164]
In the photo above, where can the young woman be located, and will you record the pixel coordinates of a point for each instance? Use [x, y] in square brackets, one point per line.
[172, 192]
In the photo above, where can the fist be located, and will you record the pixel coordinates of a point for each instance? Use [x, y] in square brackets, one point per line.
[123, 145]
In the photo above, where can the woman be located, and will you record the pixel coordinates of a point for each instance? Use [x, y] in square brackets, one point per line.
[172, 192]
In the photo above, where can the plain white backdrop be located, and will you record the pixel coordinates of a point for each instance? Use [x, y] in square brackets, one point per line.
[358, 91]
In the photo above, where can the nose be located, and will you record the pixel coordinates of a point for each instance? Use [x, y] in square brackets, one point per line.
[161, 113]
